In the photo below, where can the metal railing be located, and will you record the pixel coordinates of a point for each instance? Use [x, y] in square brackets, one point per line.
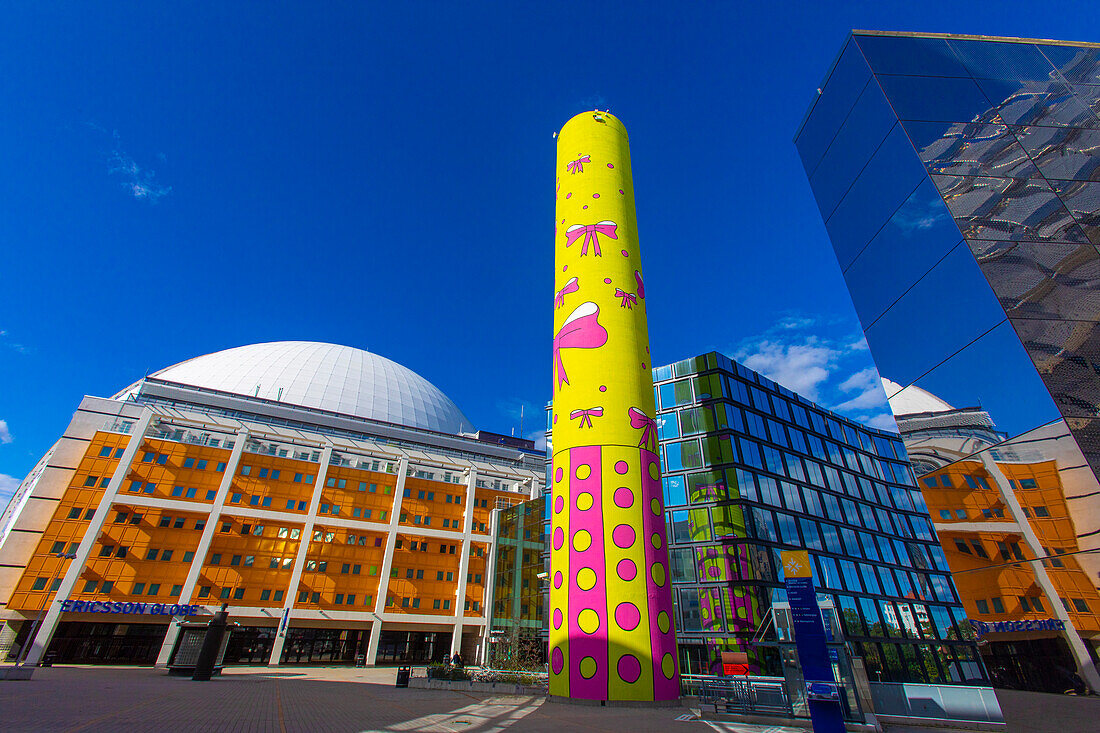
[766, 695]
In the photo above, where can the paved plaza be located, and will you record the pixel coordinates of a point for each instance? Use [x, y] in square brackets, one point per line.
[348, 700]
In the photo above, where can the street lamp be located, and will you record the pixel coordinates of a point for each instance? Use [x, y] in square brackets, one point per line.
[42, 608]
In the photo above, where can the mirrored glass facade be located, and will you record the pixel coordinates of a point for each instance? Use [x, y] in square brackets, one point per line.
[958, 181]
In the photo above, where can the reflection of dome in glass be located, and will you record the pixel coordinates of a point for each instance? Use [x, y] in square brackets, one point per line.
[325, 377]
[912, 399]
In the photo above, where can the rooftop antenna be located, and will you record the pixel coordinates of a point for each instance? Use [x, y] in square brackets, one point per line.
[521, 419]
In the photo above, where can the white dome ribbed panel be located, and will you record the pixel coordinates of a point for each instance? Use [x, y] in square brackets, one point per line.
[327, 377]
[912, 399]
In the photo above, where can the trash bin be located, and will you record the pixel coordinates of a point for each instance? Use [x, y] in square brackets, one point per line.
[360, 660]
[403, 676]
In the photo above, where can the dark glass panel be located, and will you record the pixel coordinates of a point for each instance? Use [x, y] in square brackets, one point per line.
[996, 373]
[1082, 198]
[1002, 60]
[1042, 279]
[1075, 64]
[913, 56]
[970, 149]
[887, 181]
[1007, 208]
[912, 242]
[1089, 94]
[1071, 153]
[831, 108]
[1037, 103]
[936, 99]
[950, 307]
[864, 130]
[1067, 355]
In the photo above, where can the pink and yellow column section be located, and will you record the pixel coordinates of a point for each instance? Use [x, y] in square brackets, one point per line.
[612, 635]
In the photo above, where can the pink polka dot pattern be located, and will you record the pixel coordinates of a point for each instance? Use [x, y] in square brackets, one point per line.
[610, 165]
[557, 618]
[559, 504]
[623, 536]
[629, 668]
[626, 569]
[558, 474]
[621, 467]
[559, 538]
[624, 253]
[627, 615]
[624, 497]
[607, 281]
[558, 579]
[620, 191]
[568, 195]
[595, 195]
[585, 206]
[557, 660]
[603, 387]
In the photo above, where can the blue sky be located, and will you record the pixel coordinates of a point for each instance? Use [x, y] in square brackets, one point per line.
[178, 180]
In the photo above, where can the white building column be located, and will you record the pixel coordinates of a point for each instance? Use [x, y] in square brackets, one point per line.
[1077, 647]
[300, 559]
[464, 562]
[204, 545]
[91, 535]
[387, 563]
[490, 581]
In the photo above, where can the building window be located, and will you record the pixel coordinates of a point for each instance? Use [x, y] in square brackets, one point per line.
[39, 583]
[139, 588]
[998, 605]
[224, 595]
[983, 606]
[238, 594]
[154, 589]
[176, 590]
[151, 554]
[446, 605]
[246, 470]
[89, 586]
[1041, 511]
[1080, 605]
[204, 591]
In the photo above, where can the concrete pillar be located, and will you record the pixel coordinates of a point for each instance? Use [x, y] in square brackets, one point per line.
[76, 567]
[464, 560]
[490, 580]
[387, 562]
[204, 544]
[1077, 647]
[300, 559]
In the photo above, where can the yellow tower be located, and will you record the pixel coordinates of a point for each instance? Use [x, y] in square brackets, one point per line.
[612, 634]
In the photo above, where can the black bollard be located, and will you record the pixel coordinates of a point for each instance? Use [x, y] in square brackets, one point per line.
[211, 645]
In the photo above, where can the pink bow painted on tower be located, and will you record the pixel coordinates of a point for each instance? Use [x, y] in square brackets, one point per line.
[641, 287]
[581, 330]
[639, 419]
[586, 416]
[570, 287]
[629, 299]
[591, 234]
[577, 166]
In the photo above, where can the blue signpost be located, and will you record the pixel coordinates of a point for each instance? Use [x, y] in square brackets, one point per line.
[822, 692]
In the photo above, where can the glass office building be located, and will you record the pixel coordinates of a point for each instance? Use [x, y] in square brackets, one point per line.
[959, 182]
[750, 468]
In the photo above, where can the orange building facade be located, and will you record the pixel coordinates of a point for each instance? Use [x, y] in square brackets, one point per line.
[327, 543]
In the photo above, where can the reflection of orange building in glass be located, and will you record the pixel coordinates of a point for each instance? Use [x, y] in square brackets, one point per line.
[336, 501]
[1017, 522]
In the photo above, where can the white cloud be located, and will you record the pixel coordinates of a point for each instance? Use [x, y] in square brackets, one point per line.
[5, 434]
[885, 421]
[138, 181]
[539, 437]
[798, 366]
[820, 359]
[8, 485]
[868, 388]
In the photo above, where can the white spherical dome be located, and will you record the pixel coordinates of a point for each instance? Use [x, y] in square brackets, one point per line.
[325, 377]
[912, 399]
